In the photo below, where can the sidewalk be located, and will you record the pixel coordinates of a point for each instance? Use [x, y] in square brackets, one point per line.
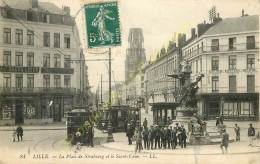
[55, 126]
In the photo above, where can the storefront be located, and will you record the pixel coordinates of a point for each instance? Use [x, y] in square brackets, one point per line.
[234, 106]
[29, 109]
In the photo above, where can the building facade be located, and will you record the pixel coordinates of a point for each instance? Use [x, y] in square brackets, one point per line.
[227, 54]
[39, 84]
[160, 88]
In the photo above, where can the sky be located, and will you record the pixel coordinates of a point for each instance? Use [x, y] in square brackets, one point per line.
[159, 19]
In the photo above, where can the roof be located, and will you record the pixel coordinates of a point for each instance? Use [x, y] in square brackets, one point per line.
[26, 5]
[235, 25]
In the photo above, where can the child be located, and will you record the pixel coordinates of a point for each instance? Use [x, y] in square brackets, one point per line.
[14, 135]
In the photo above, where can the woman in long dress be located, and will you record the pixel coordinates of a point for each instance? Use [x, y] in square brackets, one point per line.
[99, 21]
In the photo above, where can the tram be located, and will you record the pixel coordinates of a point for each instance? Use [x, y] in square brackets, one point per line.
[120, 113]
[75, 121]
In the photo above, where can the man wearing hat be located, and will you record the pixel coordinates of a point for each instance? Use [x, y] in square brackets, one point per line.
[251, 134]
[157, 137]
[183, 137]
[224, 141]
[237, 131]
[178, 132]
[150, 137]
[129, 133]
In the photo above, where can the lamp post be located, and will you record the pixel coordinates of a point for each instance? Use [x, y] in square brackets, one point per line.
[140, 104]
[222, 101]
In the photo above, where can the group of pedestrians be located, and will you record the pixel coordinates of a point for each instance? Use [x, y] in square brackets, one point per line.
[19, 133]
[156, 137]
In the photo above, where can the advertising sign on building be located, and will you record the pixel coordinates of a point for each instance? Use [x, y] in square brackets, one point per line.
[102, 22]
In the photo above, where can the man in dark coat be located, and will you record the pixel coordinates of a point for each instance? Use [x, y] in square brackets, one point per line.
[145, 123]
[165, 137]
[237, 131]
[129, 133]
[169, 130]
[145, 137]
[178, 132]
[90, 135]
[157, 137]
[150, 137]
[174, 138]
[224, 140]
[19, 131]
[251, 134]
[183, 137]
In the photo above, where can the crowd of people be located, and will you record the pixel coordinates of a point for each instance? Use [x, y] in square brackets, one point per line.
[155, 137]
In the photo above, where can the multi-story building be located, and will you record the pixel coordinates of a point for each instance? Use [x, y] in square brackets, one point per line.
[38, 81]
[160, 88]
[227, 53]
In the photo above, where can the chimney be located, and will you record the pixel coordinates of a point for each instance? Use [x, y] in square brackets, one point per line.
[218, 15]
[34, 3]
[66, 9]
[193, 32]
[243, 13]
[181, 39]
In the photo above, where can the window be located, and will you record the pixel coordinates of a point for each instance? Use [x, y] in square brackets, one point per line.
[232, 41]
[45, 18]
[67, 81]
[215, 84]
[198, 47]
[250, 83]
[197, 66]
[46, 39]
[200, 64]
[201, 46]
[214, 45]
[250, 61]
[19, 59]
[142, 85]
[67, 61]
[250, 42]
[19, 80]
[232, 62]
[57, 60]
[215, 63]
[30, 59]
[57, 82]
[57, 40]
[7, 35]
[30, 80]
[19, 36]
[30, 37]
[46, 60]
[232, 84]
[66, 41]
[7, 58]
[7, 80]
[29, 16]
[46, 81]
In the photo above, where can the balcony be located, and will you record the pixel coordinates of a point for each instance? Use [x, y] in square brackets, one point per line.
[37, 90]
[224, 48]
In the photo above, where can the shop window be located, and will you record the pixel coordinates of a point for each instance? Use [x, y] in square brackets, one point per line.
[6, 112]
[30, 112]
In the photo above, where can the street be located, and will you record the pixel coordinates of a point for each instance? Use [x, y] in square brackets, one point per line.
[50, 145]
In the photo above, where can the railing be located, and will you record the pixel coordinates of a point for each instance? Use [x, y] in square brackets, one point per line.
[13, 90]
[223, 48]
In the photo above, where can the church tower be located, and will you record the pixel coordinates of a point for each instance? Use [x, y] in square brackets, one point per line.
[135, 53]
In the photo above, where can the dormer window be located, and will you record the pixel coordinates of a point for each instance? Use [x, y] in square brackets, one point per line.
[30, 16]
[46, 18]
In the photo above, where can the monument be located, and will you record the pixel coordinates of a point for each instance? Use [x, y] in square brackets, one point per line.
[186, 93]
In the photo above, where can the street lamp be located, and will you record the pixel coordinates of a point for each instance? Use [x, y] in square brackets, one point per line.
[222, 101]
[140, 104]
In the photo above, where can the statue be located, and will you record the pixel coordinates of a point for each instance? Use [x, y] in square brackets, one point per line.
[186, 93]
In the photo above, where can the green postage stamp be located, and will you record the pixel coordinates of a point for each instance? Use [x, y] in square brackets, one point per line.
[102, 23]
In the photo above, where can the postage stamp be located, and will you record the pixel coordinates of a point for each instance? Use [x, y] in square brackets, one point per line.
[102, 22]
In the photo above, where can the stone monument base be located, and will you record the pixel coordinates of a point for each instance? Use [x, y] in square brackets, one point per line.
[184, 114]
[199, 139]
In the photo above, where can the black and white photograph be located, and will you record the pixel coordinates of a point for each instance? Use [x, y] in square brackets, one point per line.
[129, 81]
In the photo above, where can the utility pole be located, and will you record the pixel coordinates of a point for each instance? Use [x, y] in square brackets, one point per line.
[110, 135]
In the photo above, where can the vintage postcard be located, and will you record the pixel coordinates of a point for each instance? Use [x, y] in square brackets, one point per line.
[129, 81]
